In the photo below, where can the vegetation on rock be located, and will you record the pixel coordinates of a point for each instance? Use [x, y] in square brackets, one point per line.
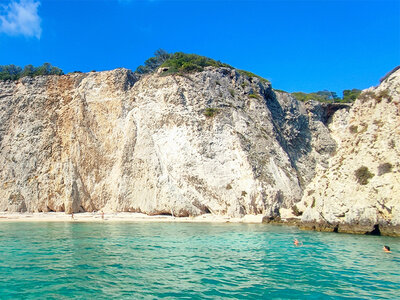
[321, 96]
[183, 63]
[378, 97]
[180, 62]
[328, 96]
[12, 72]
[210, 112]
[363, 175]
[252, 95]
[151, 64]
[350, 95]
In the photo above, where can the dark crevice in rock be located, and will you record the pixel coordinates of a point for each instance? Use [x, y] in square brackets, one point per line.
[292, 129]
[330, 109]
[375, 231]
[336, 229]
[165, 214]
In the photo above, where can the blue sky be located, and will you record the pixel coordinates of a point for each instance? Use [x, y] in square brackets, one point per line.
[298, 45]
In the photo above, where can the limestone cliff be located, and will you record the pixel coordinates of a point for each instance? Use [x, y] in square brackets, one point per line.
[359, 188]
[213, 141]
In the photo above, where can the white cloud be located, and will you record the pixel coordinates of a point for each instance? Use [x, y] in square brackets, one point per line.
[20, 18]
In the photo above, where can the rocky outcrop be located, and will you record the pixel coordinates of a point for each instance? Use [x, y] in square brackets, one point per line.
[358, 190]
[214, 141]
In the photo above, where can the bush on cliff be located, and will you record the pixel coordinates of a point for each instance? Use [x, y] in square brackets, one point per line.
[180, 62]
[210, 112]
[12, 72]
[363, 175]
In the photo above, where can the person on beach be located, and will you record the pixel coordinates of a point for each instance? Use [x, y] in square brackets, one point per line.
[297, 243]
[72, 216]
[387, 249]
[102, 215]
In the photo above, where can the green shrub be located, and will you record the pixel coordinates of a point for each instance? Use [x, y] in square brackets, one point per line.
[253, 96]
[232, 92]
[384, 168]
[363, 175]
[210, 112]
[180, 62]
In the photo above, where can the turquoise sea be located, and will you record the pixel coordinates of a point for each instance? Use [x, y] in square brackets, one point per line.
[192, 261]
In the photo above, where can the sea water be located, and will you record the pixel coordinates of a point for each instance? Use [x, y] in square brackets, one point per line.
[192, 261]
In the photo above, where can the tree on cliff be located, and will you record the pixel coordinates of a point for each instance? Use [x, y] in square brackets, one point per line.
[351, 95]
[151, 64]
[12, 72]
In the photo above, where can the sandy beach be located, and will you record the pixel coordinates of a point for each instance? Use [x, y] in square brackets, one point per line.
[121, 217]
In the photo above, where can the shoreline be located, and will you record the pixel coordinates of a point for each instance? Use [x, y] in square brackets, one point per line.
[123, 217]
[114, 217]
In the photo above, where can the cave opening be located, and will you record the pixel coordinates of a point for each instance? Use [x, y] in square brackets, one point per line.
[375, 231]
[336, 229]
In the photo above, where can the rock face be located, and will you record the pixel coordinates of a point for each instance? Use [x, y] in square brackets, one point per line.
[214, 141]
[210, 142]
[359, 189]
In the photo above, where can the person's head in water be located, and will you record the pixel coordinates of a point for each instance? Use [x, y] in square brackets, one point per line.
[386, 248]
[296, 242]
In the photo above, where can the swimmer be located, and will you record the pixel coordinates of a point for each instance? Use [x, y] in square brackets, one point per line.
[297, 243]
[387, 249]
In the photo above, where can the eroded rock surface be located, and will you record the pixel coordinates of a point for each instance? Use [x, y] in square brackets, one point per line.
[209, 142]
[358, 191]
[214, 141]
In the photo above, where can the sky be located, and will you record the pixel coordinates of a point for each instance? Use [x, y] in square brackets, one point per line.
[298, 45]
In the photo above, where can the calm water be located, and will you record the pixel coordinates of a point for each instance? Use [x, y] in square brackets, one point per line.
[158, 260]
